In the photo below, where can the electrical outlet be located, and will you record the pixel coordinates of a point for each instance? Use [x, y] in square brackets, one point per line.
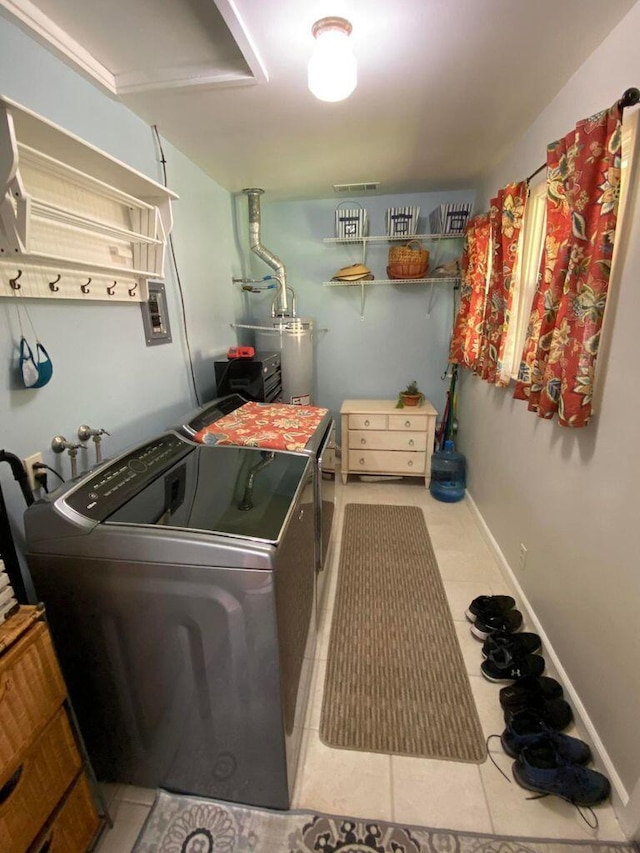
[523, 555]
[28, 463]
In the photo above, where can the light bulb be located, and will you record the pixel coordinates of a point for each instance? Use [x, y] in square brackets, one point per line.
[333, 71]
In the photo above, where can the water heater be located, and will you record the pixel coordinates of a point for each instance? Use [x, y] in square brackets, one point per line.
[293, 337]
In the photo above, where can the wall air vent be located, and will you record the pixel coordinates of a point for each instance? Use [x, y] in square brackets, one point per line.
[367, 187]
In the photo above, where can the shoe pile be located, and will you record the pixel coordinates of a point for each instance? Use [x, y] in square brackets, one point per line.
[546, 761]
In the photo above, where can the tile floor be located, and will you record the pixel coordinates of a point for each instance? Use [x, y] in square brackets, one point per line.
[442, 794]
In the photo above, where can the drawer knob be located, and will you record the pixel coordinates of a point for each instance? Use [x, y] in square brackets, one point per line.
[410, 463]
[366, 423]
[407, 424]
[411, 442]
[362, 461]
[363, 441]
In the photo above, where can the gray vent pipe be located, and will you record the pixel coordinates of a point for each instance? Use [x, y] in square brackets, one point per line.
[253, 194]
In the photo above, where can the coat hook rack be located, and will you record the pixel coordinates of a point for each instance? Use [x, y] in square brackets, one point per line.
[85, 287]
[132, 290]
[53, 285]
[111, 289]
[14, 282]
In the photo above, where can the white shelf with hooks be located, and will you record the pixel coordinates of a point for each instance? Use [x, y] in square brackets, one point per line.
[75, 223]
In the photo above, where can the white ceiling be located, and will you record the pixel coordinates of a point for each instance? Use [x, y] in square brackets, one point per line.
[444, 88]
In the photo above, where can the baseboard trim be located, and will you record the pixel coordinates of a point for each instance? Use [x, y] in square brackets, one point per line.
[620, 797]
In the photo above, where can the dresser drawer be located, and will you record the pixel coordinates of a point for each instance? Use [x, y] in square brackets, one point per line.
[408, 422]
[31, 794]
[367, 422]
[375, 440]
[31, 689]
[387, 461]
[75, 825]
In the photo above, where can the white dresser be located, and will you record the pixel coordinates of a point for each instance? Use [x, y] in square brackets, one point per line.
[377, 438]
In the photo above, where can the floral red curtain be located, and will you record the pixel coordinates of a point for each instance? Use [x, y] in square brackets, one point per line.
[467, 329]
[583, 181]
[505, 216]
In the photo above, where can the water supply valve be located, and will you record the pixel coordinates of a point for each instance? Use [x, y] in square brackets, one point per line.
[86, 432]
[59, 444]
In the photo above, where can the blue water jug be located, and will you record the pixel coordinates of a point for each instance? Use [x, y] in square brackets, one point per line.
[448, 474]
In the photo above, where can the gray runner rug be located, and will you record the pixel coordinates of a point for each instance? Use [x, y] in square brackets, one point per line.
[181, 824]
[396, 680]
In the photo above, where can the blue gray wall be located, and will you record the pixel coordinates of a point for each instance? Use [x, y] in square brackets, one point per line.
[104, 374]
[395, 342]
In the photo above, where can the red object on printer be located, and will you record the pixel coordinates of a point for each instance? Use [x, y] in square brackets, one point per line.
[240, 352]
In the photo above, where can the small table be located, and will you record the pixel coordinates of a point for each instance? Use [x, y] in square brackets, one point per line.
[377, 438]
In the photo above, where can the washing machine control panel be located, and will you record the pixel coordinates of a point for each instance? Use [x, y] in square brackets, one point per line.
[97, 497]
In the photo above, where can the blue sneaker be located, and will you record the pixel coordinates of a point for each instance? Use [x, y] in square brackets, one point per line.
[529, 729]
[543, 770]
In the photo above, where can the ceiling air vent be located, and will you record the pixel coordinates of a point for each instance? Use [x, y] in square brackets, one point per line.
[367, 187]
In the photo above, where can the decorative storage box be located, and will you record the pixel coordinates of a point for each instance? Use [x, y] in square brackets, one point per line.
[351, 222]
[450, 218]
[402, 221]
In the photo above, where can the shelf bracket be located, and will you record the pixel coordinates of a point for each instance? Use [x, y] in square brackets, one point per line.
[362, 298]
[430, 303]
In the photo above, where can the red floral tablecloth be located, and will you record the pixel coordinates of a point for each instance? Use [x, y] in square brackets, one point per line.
[271, 425]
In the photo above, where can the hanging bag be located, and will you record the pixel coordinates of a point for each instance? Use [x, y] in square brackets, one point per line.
[34, 372]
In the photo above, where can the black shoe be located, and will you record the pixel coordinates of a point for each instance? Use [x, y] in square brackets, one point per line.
[543, 770]
[529, 692]
[528, 729]
[489, 605]
[502, 666]
[518, 644]
[556, 713]
[506, 622]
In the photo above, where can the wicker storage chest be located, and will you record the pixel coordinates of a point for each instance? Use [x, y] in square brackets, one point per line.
[45, 801]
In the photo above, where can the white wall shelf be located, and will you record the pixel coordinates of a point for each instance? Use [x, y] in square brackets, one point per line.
[363, 283]
[384, 238]
[75, 223]
[435, 279]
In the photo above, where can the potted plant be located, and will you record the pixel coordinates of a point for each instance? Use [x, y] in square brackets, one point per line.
[411, 396]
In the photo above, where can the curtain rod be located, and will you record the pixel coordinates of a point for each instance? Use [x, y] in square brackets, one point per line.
[630, 98]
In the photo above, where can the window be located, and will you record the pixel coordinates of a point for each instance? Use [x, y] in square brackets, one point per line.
[532, 242]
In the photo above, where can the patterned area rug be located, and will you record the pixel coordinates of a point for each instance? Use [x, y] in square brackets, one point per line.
[396, 680]
[180, 824]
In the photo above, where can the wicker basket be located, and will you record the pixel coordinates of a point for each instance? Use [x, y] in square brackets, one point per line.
[408, 261]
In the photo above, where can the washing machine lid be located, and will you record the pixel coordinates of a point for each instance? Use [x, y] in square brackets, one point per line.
[168, 483]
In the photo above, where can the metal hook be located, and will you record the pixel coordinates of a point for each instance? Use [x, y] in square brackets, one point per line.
[132, 290]
[85, 287]
[14, 281]
[111, 288]
[53, 285]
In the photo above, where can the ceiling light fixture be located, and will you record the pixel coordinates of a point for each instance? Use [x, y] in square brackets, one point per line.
[333, 71]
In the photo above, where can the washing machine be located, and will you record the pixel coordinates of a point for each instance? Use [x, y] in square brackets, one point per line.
[179, 583]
